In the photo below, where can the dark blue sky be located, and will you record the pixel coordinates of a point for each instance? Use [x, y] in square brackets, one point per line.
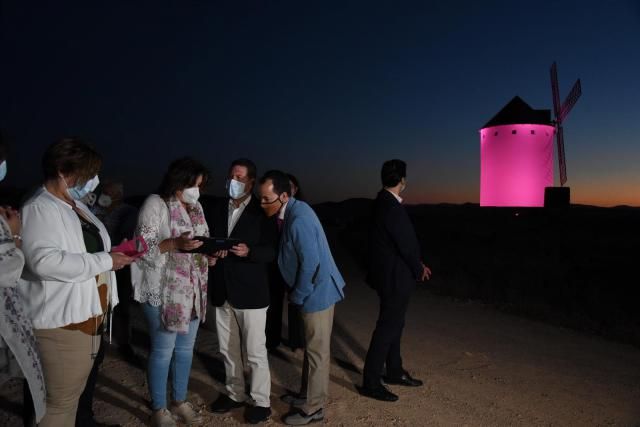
[326, 90]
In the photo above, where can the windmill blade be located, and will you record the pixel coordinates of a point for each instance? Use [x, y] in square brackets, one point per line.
[555, 92]
[562, 164]
[570, 101]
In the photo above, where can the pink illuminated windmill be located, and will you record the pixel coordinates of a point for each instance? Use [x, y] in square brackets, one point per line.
[516, 151]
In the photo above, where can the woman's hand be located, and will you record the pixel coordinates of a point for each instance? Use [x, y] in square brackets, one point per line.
[120, 260]
[13, 219]
[182, 243]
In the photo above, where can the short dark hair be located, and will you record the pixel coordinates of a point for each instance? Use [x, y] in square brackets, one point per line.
[71, 156]
[292, 178]
[392, 172]
[280, 181]
[252, 171]
[182, 173]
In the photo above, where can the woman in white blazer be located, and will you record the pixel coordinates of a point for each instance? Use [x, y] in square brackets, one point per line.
[68, 281]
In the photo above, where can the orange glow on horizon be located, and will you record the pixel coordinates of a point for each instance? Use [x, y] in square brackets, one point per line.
[628, 195]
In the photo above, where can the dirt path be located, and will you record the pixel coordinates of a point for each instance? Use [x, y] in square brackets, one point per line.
[481, 368]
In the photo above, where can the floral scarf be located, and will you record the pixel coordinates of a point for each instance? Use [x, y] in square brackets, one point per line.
[184, 294]
[18, 348]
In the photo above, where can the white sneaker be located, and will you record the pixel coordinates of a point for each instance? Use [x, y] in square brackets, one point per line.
[187, 413]
[162, 418]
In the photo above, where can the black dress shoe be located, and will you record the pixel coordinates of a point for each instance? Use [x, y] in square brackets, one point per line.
[224, 404]
[405, 380]
[378, 393]
[257, 414]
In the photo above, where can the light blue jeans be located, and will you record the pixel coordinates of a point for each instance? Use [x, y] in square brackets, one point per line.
[168, 350]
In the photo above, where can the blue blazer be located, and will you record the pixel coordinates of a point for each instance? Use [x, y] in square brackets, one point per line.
[306, 262]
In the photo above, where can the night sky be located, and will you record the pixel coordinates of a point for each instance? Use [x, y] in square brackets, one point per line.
[325, 90]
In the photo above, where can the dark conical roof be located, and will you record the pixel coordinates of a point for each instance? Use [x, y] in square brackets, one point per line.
[519, 112]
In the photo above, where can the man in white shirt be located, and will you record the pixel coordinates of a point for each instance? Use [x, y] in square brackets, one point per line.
[239, 290]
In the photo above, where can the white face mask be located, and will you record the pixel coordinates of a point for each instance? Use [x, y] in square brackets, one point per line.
[105, 200]
[89, 199]
[78, 193]
[3, 169]
[191, 195]
[236, 189]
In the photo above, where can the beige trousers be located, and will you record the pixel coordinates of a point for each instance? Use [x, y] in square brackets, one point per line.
[67, 360]
[244, 331]
[317, 359]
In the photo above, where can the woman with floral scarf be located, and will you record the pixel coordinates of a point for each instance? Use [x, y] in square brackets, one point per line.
[171, 285]
[18, 351]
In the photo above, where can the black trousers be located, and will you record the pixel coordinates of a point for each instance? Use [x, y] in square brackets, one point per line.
[384, 348]
[122, 327]
[273, 327]
[296, 327]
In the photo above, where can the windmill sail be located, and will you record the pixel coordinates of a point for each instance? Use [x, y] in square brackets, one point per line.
[560, 112]
[561, 159]
[570, 101]
[555, 92]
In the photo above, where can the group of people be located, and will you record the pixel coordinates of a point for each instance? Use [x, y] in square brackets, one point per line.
[59, 285]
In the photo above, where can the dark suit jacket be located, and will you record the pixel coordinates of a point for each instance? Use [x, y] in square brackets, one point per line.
[395, 259]
[243, 282]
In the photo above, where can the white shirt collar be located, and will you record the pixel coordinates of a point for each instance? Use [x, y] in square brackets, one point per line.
[246, 201]
[235, 212]
[282, 209]
[398, 198]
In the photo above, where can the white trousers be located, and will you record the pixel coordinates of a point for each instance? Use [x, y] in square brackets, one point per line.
[238, 331]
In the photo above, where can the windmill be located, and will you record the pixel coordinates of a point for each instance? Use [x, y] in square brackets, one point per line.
[516, 153]
[555, 196]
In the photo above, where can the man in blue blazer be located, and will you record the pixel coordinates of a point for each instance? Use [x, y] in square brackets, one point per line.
[308, 268]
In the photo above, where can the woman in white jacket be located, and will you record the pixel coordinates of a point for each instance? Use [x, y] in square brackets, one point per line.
[68, 281]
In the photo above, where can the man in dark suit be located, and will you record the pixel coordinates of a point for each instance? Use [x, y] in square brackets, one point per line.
[239, 289]
[395, 265]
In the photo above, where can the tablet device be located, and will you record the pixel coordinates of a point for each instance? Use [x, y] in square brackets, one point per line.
[211, 245]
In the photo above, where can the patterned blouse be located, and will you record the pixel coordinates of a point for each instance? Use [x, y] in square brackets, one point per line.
[176, 281]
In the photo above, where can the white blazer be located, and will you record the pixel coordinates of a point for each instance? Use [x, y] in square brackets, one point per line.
[58, 283]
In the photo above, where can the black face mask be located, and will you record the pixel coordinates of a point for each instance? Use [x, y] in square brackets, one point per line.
[272, 202]
[267, 205]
